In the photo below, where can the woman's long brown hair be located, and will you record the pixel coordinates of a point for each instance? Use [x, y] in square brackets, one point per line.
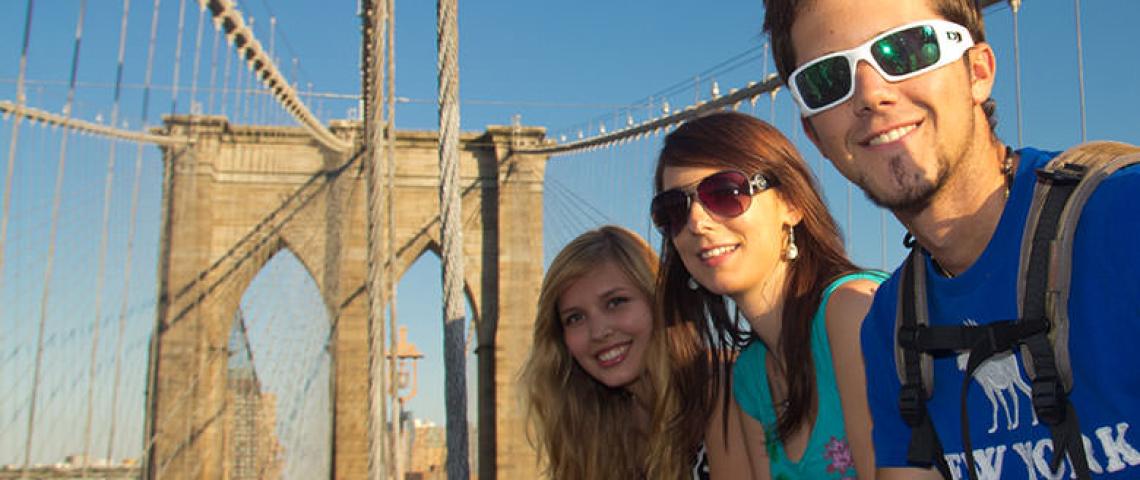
[732, 140]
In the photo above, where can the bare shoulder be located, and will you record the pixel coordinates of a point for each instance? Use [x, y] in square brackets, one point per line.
[849, 303]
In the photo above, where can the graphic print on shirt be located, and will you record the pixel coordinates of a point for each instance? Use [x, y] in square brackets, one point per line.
[1107, 449]
[997, 375]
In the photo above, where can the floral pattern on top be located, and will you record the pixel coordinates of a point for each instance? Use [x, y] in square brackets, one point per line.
[838, 452]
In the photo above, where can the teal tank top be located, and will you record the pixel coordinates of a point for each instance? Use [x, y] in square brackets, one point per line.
[827, 455]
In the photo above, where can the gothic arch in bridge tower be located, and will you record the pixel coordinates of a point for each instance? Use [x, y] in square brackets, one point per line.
[431, 247]
[285, 323]
[238, 195]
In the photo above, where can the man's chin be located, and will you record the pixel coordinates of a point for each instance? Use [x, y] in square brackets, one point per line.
[907, 202]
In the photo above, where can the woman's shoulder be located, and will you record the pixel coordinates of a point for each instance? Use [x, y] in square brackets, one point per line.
[849, 298]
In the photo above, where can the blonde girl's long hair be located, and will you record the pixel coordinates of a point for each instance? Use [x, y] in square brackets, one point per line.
[582, 428]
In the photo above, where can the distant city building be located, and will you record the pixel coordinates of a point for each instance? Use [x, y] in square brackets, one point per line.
[75, 467]
[249, 429]
[429, 451]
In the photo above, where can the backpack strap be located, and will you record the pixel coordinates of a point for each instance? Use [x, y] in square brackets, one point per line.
[1045, 279]
[915, 367]
[1064, 186]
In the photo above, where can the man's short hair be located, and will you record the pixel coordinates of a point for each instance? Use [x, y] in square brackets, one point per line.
[779, 15]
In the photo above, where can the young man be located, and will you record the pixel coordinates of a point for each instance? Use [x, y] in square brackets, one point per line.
[895, 93]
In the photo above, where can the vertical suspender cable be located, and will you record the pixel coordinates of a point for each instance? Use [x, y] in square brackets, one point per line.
[1015, 5]
[390, 147]
[49, 262]
[111, 163]
[11, 169]
[451, 223]
[1080, 67]
[883, 239]
[149, 64]
[213, 70]
[148, 441]
[241, 104]
[264, 102]
[249, 76]
[239, 75]
[222, 94]
[102, 269]
[21, 99]
[197, 60]
[772, 96]
[378, 451]
[175, 79]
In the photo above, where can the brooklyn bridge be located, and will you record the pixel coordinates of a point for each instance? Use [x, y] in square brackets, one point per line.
[213, 266]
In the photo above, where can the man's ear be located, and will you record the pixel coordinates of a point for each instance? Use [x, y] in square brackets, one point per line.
[982, 67]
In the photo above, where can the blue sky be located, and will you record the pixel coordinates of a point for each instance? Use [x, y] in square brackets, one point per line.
[566, 66]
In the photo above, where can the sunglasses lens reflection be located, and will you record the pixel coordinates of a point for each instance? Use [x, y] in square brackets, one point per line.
[669, 211]
[723, 194]
[825, 82]
[907, 51]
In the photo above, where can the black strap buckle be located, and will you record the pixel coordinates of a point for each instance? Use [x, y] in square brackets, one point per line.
[908, 337]
[912, 405]
[1049, 400]
[1068, 173]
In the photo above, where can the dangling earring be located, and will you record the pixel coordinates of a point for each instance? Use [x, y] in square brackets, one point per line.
[793, 252]
[692, 283]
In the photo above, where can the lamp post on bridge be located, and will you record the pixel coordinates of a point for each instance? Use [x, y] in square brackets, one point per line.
[407, 383]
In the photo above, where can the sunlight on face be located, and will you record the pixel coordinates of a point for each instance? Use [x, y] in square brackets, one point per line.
[607, 322]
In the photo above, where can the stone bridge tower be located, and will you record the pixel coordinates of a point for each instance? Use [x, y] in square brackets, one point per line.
[237, 195]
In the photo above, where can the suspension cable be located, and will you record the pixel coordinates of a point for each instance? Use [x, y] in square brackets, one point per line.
[118, 368]
[102, 265]
[379, 453]
[266, 71]
[49, 262]
[225, 84]
[1015, 5]
[239, 93]
[197, 61]
[21, 99]
[150, 429]
[82, 126]
[150, 63]
[1080, 67]
[455, 391]
[771, 83]
[213, 72]
[390, 147]
[176, 76]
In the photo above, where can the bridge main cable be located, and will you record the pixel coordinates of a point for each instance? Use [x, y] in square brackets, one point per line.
[750, 92]
[82, 126]
[227, 17]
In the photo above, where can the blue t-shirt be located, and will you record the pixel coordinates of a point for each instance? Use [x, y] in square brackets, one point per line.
[827, 454]
[1104, 344]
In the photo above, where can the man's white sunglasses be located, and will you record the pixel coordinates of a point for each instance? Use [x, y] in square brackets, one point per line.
[897, 54]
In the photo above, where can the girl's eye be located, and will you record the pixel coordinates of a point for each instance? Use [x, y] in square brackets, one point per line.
[572, 319]
[616, 301]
